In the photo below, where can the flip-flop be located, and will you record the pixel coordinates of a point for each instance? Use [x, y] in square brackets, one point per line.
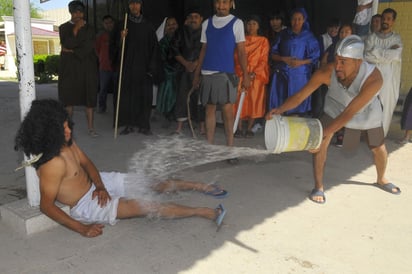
[317, 192]
[220, 217]
[217, 192]
[233, 161]
[388, 187]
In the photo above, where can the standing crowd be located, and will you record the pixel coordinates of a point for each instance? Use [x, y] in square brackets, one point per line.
[194, 71]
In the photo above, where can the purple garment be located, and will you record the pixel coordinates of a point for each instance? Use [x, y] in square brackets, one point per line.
[286, 80]
[406, 120]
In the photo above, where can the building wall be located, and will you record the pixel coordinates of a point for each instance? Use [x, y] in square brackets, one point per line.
[59, 16]
[41, 44]
[403, 26]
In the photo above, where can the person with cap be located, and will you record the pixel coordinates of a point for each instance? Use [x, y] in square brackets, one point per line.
[222, 34]
[186, 49]
[384, 49]
[141, 68]
[78, 69]
[351, 102]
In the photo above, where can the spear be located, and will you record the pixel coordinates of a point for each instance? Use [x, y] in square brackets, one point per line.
[188, 112]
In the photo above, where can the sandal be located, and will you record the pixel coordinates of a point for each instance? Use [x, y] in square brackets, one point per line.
[93, 133]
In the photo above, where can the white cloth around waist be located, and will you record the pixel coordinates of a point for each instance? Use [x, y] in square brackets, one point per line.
[89, 211]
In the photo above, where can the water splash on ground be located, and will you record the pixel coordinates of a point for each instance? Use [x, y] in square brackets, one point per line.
[161, 158]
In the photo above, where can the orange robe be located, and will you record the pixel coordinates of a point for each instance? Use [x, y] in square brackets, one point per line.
[257, 51]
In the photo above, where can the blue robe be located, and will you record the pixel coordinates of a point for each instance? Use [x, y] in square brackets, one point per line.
[286, 80]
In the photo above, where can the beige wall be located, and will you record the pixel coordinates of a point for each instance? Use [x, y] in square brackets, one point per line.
[403, 26]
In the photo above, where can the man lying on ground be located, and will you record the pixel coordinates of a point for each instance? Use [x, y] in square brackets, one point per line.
[68, 176]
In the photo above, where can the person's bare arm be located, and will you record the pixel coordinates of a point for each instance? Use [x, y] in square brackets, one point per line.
[100, 192]
[362, 7]
[196, 76]
[324, 59]
[241, 50]
[51, 175]
[190, 66]
[321, 76]
[369, 89]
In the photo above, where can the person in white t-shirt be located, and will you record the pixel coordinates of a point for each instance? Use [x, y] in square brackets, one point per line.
[363, 17]
[221, 35]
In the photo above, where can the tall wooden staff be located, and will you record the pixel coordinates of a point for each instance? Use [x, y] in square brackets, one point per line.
[189, 116]
[120, 78]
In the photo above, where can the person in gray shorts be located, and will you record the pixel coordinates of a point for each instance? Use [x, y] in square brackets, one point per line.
[221, 35]
[351, 102]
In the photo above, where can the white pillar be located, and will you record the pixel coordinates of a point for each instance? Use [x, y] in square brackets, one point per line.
[27, 92]
[375, 5]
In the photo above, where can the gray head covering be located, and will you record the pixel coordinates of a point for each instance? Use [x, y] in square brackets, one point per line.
[350, 47]
[76, 6]
[136, 1]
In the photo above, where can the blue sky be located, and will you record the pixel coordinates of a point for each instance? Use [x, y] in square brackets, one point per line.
[51, 4]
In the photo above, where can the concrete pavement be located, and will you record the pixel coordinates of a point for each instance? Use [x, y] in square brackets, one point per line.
[271, 226]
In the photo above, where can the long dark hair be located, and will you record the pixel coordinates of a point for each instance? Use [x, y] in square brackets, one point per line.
[42, 130]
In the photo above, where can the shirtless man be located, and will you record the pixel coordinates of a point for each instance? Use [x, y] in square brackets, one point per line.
[68, 176]
[351, 102]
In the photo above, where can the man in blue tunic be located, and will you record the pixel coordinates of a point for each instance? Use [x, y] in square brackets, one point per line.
[221, 35]
[296, 52]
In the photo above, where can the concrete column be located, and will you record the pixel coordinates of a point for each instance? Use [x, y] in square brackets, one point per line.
[375, 5]
[27, 92]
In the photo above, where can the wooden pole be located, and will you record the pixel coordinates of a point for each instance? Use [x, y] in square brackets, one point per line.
[189, 116]
[120, 78]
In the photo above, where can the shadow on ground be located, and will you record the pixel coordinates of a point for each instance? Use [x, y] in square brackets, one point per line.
[261, 191]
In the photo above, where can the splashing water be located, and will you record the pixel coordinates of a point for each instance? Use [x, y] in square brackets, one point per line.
[168, 155]
[161, 158]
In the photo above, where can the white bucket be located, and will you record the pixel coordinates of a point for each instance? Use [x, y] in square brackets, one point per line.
[284, 133]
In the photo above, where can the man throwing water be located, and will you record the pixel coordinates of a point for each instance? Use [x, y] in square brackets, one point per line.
[351, 102]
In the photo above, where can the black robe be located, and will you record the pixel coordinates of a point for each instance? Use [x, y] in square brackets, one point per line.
[140, 70]
[78, 71]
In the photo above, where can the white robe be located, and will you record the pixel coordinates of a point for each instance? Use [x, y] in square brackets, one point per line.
[389, 62]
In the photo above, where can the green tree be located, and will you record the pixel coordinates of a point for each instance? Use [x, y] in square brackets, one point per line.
[6, 8]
